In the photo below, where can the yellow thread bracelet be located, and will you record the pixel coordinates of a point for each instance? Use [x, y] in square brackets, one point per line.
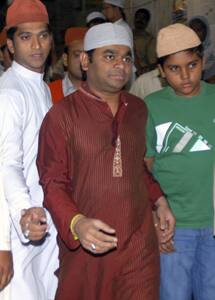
[72, 224]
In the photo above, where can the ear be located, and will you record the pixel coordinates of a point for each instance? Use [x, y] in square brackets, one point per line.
[65, 59]
[84, 59]
[10, 46]
[161, 71]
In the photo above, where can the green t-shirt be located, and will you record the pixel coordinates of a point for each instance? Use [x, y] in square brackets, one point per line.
[181, 138]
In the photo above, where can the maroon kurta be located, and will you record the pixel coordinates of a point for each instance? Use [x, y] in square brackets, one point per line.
[92, 163]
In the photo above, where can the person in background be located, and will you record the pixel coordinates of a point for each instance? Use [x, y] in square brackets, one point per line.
[114, 12]
[71, 59]
[24, 101]
[5, 56]
[201, 26]
[148, 83]
[144, 43]
[94, 179]
[95, 18]
[180, 152]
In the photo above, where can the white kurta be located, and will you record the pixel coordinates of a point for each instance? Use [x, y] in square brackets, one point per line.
[146, 84]
[68, 86]
[4, 227]
[24, 101]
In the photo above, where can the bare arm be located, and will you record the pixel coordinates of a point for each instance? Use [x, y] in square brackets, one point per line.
[6, 268]
[164, 219]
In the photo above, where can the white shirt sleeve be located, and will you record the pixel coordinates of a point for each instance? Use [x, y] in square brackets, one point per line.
[12, 116]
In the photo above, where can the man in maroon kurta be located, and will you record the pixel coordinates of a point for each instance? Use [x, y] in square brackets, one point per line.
[90, 160]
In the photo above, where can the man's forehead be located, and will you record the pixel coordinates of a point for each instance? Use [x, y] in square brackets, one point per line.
[114, 48]
[76, 44]
[182, 57]
[32, 27]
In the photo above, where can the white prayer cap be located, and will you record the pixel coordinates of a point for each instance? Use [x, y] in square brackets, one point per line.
[94, 15]
[119, 3]
[106, 34]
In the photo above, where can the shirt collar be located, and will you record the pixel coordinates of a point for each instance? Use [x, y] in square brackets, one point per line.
[24, 72]
[68, 86]
[86, 90]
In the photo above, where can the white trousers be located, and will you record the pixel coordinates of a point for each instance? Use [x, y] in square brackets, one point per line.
[5, 294]
[34, 267]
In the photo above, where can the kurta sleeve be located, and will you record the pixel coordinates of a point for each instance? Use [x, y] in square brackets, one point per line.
[11, 168]
[55, 171]
[153, 187]
[150, 137]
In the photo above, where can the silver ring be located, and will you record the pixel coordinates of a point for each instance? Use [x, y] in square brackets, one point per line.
[93, 246]
[26, 233]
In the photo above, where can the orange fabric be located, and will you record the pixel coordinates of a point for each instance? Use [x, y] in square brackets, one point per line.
[24, 11]
[56, 89]
[3, 38]
[74, 33]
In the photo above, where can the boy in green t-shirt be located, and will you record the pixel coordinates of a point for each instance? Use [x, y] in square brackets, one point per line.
[180, 153]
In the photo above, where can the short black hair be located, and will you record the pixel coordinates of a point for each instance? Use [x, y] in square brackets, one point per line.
[199, 22]
[10, 32]
[199, 50]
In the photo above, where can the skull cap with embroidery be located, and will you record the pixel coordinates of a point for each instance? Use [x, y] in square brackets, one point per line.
[106, 34]
[174, 38]
[25, 11]
[119, 3]
[74, 34]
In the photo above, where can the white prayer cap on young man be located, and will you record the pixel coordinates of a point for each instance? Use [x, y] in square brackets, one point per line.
[119, 3]
[106, 34]
[95, 15]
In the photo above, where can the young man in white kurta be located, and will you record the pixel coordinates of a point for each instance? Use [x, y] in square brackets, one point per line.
[5, 247]
[24, 101]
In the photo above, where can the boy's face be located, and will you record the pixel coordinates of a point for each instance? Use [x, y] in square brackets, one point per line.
[183, 72]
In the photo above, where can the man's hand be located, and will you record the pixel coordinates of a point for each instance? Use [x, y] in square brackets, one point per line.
[6, 268]
[164, 221]
[95, 236]
[33, 223]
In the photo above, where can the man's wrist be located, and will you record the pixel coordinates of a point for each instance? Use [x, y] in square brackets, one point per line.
[74, 221]
[161, 201]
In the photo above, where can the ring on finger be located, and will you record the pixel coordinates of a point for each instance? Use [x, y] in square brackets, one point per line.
[93, 246]
[26, 233]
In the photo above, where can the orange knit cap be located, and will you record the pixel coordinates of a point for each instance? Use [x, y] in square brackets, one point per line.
[74, 34]
[24, 11]
[3, 38]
